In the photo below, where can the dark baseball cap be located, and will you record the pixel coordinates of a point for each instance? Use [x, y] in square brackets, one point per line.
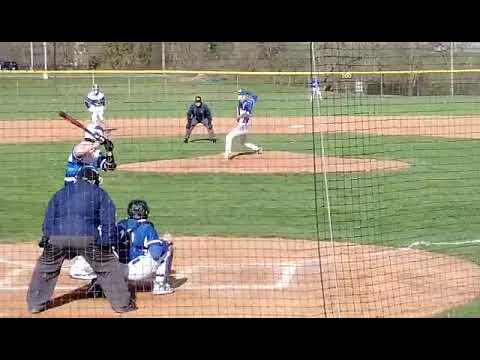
[198, 99]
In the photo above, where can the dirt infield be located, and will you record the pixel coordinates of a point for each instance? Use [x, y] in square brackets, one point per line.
[222, 277]
[269, 162]
[25, 131]
[264, 277]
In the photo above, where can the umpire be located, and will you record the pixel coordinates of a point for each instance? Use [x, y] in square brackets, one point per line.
[80, 220]
[197, 113]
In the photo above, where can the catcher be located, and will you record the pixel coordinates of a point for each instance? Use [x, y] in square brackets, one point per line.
[199, 113]
[145, 254]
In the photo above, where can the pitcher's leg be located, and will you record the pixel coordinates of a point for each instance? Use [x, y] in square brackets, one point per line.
[228, 142]
[253, 147]
[243, 141]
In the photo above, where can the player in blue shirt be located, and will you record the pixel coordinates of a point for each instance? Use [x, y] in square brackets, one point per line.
[87, 153]
[146, 254]
[246, 103]
[315, 88]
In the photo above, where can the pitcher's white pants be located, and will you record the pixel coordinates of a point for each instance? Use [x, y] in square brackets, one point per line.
[238, 131]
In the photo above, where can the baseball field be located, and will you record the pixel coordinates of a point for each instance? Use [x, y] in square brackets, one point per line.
[396, 236]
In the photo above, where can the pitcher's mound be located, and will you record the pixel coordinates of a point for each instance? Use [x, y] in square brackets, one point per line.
[267, 162]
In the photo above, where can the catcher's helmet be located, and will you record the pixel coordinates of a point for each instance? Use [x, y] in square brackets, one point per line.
[94, 129]
[138, 209]
[90, 174]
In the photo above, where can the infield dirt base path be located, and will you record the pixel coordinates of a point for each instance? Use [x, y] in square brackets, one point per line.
[22, 131]
[255, 277]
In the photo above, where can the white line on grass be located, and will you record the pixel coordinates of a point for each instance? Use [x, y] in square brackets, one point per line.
[442, 243]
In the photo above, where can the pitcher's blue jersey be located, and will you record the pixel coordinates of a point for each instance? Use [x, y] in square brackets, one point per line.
[74, 164]
[246, 106]
[142, 238]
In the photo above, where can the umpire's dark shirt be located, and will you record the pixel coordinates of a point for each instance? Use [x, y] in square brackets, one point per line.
[80, 210]
[199, 113]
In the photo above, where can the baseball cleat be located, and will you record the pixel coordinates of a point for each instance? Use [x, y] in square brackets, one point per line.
[185, 140]
[259, 151]
[226, 156]
[37, 310]
[162, 289]
[214, 141]
[130, 307]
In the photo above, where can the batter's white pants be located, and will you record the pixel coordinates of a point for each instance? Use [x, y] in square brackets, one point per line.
[142, 268]
[97, 115]
[238, 131]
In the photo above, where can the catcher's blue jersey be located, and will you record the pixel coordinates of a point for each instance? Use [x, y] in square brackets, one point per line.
[246, 106]
[142, 238]
[74, 165]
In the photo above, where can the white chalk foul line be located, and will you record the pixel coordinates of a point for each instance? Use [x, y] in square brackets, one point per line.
[287, 271]
[442, 243]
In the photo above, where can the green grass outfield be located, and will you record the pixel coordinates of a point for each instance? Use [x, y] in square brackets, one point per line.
[24, 97]
[435, 200]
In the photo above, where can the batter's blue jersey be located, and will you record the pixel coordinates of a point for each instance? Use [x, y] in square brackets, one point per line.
[247, 104]
[74, 165]
[142, 238]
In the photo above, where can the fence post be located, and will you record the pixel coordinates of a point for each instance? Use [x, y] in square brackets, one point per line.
[381, 85]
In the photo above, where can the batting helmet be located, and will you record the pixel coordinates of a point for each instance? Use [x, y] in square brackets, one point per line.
[138, 209]
[90, 174]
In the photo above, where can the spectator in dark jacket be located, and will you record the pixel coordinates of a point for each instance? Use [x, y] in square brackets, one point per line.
[80, 220]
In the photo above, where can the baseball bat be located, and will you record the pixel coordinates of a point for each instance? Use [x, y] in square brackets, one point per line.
[77, 123]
